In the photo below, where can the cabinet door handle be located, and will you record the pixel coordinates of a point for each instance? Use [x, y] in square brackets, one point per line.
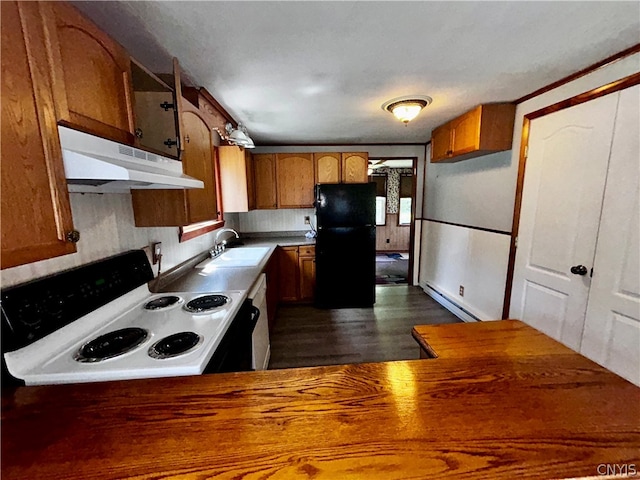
[72, 236]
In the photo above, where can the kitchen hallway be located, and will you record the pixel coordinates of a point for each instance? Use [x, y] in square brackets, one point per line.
[305, 336]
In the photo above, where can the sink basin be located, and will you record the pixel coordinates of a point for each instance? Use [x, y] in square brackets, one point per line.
[236, 257]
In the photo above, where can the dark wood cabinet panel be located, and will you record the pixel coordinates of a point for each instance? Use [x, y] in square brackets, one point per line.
[288, 274]
[264, 168]
[36, 213]
[91, 73]
[295, 178]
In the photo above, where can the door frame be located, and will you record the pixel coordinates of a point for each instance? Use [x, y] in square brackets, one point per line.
[612, 87]
[412, 225]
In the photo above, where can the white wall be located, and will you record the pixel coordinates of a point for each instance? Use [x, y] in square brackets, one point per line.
[106, 227]
[285, 220]
[480, 192]
[477, 260]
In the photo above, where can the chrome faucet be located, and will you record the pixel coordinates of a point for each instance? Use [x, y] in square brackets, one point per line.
[218, 246]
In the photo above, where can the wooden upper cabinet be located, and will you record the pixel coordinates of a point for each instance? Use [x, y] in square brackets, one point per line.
[236, 179]
[483, 130]
[295, 179]
[328, 167]
[154, 208]
[355, 167]
[91, 75]
[198, 160]
[36, 213]
[441, 142]
[264, 169]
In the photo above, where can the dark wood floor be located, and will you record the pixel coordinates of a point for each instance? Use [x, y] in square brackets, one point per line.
[304, 336]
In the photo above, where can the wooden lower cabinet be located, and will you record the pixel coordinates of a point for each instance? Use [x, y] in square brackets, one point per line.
[297, 273]
[273, 288]
[307, 272]
[36, 213]
[288, 273]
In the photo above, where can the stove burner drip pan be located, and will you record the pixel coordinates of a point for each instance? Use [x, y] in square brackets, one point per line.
[174, 345]
[111, 345]
[162, 302]
[206, 303]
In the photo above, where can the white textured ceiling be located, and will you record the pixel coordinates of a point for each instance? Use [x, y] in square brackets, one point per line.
[318, 72]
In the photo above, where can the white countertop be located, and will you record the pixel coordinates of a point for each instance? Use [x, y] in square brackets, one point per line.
[233, 278]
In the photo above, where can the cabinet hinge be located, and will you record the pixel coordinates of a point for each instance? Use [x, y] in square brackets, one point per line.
[515, 243]
[526, 151]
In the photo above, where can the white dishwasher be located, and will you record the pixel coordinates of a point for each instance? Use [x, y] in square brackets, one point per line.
[260, 338]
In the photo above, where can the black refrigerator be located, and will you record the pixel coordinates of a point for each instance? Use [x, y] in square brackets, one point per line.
[345, 245]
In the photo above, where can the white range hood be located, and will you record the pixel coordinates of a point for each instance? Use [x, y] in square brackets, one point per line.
[94, 164]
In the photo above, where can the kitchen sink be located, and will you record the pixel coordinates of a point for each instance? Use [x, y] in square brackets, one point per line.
[236, 257]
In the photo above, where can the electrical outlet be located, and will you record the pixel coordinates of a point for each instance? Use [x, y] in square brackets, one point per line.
[307, 220]
[157, 251]
[461, 291]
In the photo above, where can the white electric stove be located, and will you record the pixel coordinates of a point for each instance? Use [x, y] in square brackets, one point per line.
[135, 335]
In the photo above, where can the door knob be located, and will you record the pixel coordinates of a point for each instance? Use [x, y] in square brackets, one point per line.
[579, 270]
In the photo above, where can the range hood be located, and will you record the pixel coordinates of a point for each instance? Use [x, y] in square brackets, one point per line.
[94, 164]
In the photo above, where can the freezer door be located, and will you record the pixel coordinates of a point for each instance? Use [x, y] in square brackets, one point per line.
[345, 205]
[345, 267]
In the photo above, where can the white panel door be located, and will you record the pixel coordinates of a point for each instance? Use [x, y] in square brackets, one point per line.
[561, 202]
[612, 324]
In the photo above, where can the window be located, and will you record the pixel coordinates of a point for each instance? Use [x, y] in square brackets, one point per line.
[381, 198]
[406, 190]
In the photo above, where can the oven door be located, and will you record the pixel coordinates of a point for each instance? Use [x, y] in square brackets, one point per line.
[234, 354]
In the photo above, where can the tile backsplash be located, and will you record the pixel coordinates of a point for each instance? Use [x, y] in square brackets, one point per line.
[284, 220]
[107, 227]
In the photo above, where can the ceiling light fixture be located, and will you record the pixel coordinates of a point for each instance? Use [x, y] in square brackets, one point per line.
[406, 108]
[236, 136]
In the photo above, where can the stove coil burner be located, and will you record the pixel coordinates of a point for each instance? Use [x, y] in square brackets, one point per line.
[162, 302]
[111, 345]
[174, 345]
[206, 303]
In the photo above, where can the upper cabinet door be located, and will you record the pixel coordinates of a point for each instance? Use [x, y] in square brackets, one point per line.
[36, 214]
[328, 167]
[441, 142]
[264, 168]
[91, 75]
[466, 132]
[295, 179]
[198, 161]
[355, 167]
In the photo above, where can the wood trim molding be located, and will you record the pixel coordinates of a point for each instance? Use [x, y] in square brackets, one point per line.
[188, 232]
[472, 227]
[598, 92]
[581, 73]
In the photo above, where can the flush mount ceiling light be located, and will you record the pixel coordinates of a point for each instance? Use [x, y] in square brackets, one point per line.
[236, 136]
[407, 108]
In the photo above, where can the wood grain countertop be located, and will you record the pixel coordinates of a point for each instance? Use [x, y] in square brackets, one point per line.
[480, 339]
[524, 417]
